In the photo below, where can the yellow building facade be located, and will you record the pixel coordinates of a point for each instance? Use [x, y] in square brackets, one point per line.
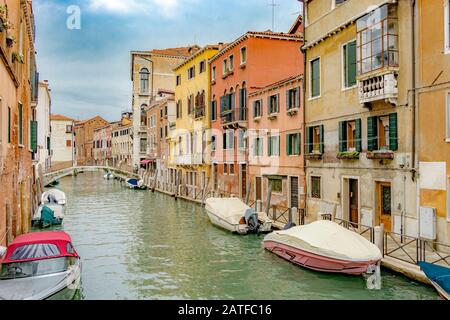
[190, 142]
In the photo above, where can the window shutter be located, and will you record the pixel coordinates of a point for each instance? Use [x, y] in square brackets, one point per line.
[351, 64]
[297, 97]
[268, 106]
[297, 144]
[309, 142]
[261, 146]
[224, 142]
[270, 145]
[288, 99]
[232, 104]
[358, 137]
[222, 104]
[278, 102]
[342, 136]
[33, 129]
[393, 132]
[322, 139]
[372, 132]
[255, 142]
[288, 142]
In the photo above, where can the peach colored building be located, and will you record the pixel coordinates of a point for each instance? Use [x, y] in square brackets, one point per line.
[275, 133]
[251, 62]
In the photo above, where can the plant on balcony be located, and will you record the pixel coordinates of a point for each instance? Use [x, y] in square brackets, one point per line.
[314, 156]
[348, 155]
[3, 18]
[381, 154]
[17, 57]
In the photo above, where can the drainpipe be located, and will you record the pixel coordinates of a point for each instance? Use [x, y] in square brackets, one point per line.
[305, 191]
[413, 151]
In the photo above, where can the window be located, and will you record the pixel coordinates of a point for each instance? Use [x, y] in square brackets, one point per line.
[257, 109]
[258, 147]
[274, 146]
[231, 167]
[144, 79]
[293, 142]
[178, 80]
[293, 98]
[315, 78]
[338, 2]
[377, 39]
[316, 187]
[143, 145]
[213, 143]
[179, 109]
[447, 25]
[225, 168]
[202, 66]
[350, 136]
[382, 133]
[276, 184]
[214, 110]
[315, 139]
[68, 143]
[273, 104]
[213, 73]
[9, 125]
[160, 133]
[349, 63]
[231, 63]
[243, 56]
[228, 140]
[191, 72]
[225, 67]
[448, 117]
[69, 129]
[190, 103]
[20, 124]
[242, 140]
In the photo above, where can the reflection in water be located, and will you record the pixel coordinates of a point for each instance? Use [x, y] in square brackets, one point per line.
[143, 245]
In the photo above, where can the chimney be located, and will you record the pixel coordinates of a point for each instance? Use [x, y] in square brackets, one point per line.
[221, 46]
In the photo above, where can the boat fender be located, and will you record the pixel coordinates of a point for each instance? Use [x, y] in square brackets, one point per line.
[289, 226]
[251, 219]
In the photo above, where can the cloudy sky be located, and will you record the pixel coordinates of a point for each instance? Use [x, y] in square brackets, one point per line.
[88, 68]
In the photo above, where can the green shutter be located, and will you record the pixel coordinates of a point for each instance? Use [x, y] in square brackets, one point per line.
[393, 132]
[33, 132]
[297, 144]
[288, 144]
[269, 145]
[358, 137]
[309, 142]
[288, 99]
[351, 64]
[342, 136]
[20, 123]
[372, 133]
[315, 78]
[297, 97]
[322, 139]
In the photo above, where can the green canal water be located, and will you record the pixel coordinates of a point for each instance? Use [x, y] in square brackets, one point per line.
[140, 245]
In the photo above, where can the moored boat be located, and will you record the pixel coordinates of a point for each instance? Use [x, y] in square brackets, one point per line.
[325, 246]
[108, 176]
[54, 196]
[38, 266]
[234, 215]
[135, 184]
[439, 277]
[49, 214]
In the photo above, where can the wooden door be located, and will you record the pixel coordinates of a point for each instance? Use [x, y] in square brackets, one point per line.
[294, 192]
[215, 177]
[354, 201]
[243, 180]
[384, 210]
[258, 188]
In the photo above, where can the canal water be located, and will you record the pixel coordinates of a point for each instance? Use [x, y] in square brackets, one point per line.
[143, 245]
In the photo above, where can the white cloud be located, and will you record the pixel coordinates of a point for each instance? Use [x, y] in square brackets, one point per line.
[166, 8]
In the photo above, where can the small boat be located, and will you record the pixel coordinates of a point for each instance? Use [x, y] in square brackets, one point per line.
[49, 214]
[54, 196]
[136, 184]
[108, 176]
[39, 266]
[325, 246]
[439, 277]
[234, 215]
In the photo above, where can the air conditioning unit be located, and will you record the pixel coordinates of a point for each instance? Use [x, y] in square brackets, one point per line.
[428, 223]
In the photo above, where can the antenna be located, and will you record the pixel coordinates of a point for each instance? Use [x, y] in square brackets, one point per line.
[273, 5]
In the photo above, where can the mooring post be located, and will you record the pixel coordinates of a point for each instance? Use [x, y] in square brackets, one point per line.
[379, 237]
[269, 197]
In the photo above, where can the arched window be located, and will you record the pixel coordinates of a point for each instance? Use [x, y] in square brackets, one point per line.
[144, 79]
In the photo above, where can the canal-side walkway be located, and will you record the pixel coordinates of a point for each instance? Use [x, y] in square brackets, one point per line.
[402, 253]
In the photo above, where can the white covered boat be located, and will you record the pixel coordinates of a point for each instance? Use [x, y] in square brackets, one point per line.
[48, 214]
[325, 246]
[234, 215]
[54, 196]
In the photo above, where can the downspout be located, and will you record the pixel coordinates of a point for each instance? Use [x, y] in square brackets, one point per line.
[413, 107]
[304, 110]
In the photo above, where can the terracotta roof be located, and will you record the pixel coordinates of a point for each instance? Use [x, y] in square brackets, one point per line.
[87, 120]
[181, 51]
[59, 117]
[197, 53]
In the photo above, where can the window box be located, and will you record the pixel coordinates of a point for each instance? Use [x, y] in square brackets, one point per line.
[314, 156]
[292, 111]
[243, 65]
[348, 155]
[256, 119]
[273, 116]
[380, 154]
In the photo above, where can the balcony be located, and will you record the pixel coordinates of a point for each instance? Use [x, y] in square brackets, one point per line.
[234, 118]
[378, 88]
[189, 159]
[199, 112]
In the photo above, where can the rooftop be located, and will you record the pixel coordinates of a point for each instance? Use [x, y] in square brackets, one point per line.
[59, 117]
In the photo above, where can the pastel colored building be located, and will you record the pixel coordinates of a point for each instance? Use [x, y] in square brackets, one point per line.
[102, 145]
[62, 140]
[43, 110]
[433, 111]
[122, 143]
[84, 139]
[275, 134]
[251, 62]
[191, 139]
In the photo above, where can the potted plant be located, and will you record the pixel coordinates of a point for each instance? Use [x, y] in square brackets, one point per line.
[348, 155]
[17, 57]
[4, 24]
[10, 41]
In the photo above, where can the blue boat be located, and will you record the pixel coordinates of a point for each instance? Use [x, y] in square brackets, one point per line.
[439, 277]
[135, 184]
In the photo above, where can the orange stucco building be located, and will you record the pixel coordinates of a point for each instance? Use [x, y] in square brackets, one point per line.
[248, 64]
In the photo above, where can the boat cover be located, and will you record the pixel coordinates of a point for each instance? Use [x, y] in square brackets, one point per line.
[57, 195]
[328, 239]
[57, 209]
[437, 274]
[229, 209]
